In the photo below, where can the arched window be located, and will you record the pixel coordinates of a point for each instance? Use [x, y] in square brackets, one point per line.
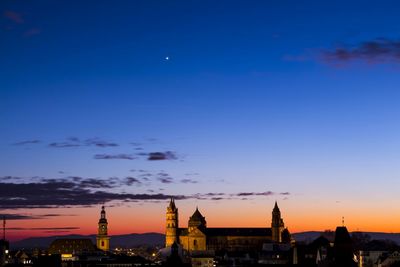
[195, 244]
[102, 243]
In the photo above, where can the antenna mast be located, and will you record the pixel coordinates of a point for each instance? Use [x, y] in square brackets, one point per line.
[4, 227]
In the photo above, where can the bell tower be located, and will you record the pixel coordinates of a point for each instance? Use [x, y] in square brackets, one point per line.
[171, 231]
[277, 224]
[102, 239]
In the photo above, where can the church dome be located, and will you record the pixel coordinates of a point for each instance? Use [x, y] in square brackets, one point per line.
[197, 219]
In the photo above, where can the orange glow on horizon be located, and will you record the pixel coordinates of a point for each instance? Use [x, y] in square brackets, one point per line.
[150, 217]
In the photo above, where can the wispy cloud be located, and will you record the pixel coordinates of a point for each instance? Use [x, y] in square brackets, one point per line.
[16, 216]
[50, 229]
[76, 142]
[373, 51]
[14, 16]
[68, 192]
[267, 193]
[26, 142]
[99, 143]
[188, 181]
[69, 142]
[117, 156]
[131, 181]
[39, 192]
[168, 155]
[165, 180]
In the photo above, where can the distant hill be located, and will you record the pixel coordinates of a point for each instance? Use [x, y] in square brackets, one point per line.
[157, 239]
[312, 235]
[129, 240]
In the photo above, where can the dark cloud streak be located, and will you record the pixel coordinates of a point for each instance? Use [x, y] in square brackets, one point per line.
[375, 51]
[117, 156]
[26, 142]
[168, 155]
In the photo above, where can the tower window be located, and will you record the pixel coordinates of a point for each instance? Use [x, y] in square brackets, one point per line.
[102, 243]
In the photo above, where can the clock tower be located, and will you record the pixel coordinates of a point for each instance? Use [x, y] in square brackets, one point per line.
[102, 239]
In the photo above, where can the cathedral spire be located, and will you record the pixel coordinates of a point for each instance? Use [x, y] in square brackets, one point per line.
[172, 204]
[277, 225]
[276, 208]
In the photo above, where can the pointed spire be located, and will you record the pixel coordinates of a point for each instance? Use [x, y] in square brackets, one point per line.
[276, 208]
[172, 204]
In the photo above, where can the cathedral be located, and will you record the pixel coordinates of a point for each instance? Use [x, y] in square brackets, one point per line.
[198, 237]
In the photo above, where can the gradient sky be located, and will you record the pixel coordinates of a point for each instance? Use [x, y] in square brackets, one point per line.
[258, 101]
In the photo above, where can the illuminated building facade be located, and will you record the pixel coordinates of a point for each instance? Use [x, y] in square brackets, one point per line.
[102, 238]
[198, 237]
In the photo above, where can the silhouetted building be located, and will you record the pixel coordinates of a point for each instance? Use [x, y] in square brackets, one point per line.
[174, 260]
[311, 254]
[389, 260]
[342, 253]
[48, 261]
[198, 237]
[370, 258]
[276, 254]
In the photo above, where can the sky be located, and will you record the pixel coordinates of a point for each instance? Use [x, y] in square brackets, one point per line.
[225, 105]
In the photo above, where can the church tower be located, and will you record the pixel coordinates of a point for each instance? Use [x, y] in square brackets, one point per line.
[102, 239]
[171, 231]
[277, 224]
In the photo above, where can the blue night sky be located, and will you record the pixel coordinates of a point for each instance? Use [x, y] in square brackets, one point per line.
[300, 98]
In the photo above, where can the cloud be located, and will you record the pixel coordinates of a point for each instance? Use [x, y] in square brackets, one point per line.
[168, 155]
[97, 183]
[188, 181]
[64, 144]
[10, 178]
[214, 194]
[49, 229]
[14, 16]
[267, 193]
[165, 180]
[76, 142]
[374, 51]
[131, 180]
[53, 193]
[16, 216]
[118, 156]
[26, 142]
[75, 191]
[99, 143]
